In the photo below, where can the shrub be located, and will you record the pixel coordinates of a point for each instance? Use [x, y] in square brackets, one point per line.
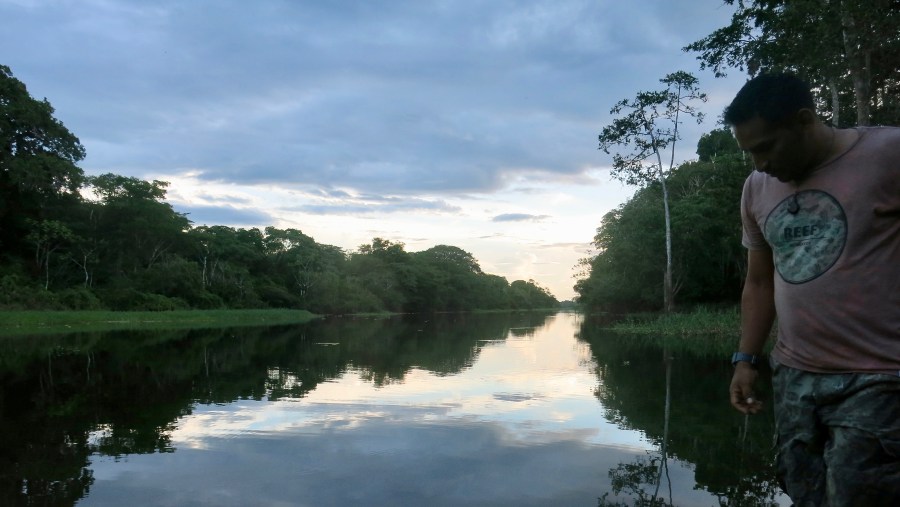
[128, 299]
[80, 298]
[19, 293]
[277, 297]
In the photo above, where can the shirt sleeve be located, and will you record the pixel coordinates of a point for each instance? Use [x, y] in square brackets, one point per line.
[752, 236]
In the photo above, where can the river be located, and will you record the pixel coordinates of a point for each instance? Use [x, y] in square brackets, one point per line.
[458, 410]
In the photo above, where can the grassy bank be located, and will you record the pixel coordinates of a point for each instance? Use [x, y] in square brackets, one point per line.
[45, 322]
[701, 321]
[701, 331]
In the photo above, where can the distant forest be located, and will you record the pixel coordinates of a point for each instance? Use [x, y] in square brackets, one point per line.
[74, 242]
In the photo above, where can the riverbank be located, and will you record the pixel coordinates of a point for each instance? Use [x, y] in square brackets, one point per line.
[50, 322]
[701, 331]
[699, 321]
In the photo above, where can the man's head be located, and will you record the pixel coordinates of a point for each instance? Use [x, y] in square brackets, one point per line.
[774, 120]
[775, 98]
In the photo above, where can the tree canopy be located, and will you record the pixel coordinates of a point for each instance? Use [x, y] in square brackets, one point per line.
[38, 161]
[849, 50]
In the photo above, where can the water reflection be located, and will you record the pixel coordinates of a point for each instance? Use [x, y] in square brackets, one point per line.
[679, 401]
[448, 410]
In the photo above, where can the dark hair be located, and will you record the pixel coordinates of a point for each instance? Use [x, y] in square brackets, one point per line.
[772, 97]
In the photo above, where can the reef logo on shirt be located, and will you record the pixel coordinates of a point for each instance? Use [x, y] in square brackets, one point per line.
[807, 232]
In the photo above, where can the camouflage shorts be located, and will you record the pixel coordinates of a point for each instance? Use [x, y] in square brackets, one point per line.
[838, 437]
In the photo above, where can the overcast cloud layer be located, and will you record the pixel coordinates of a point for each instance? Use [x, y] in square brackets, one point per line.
[426, 122]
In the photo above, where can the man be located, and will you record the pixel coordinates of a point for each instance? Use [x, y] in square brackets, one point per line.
[821, 219]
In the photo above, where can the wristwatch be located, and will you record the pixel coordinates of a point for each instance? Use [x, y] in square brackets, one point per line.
[740, 356]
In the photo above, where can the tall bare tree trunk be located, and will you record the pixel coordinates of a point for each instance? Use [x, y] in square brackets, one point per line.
[664, 448]
[668, 288]
[835, 103]
[857, 62]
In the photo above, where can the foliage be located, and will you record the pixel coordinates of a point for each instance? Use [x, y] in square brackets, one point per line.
[708, 259]
[849, 50]
[624, 275]
[644, 128]
[717, 143]
[38, 158]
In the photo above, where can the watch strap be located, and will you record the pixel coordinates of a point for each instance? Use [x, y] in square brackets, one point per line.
[737, 357]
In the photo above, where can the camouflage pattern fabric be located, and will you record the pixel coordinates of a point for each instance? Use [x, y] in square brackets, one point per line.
[838, 437]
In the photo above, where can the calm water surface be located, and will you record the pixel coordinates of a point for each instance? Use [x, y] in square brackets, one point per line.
[522, 409]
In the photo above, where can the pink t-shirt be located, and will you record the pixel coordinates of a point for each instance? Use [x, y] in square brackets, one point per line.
[835, 240]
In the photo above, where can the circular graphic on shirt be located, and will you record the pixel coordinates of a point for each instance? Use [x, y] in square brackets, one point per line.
[807, 232]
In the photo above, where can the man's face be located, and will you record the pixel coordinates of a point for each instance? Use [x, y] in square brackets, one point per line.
[781, 151]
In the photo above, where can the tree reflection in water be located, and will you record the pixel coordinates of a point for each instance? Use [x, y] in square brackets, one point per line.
[648, 470]
[64, 399]
[731, 456]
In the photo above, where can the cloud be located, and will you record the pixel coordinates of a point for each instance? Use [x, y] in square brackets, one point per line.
[579, 247]
[344, 203]
[399, 97]
[519, 217]
[222, 198]
[219, 215]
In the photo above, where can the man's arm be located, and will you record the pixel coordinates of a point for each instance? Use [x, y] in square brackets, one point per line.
[757, 316]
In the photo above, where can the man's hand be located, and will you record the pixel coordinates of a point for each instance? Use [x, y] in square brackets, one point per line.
[742, 397]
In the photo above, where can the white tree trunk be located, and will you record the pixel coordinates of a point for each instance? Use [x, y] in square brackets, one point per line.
[857, 62]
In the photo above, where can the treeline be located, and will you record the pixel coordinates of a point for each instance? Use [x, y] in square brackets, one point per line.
[626, 274]
[848, 51]
[71, 241]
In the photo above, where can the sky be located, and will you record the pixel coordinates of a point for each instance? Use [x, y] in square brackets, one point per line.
[470, 123]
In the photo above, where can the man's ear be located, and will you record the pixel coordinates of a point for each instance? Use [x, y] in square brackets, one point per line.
[805, 117]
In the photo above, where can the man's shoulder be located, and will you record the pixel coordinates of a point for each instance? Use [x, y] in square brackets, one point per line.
[757, 179]
[880, 142]
[880, 133]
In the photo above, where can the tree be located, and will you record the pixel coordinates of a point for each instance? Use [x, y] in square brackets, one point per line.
[530, 296]
[645, 127]
[624, 275]
[716, 144]
[849, 50]
[47, 236]
[453, 258]
[226, 257]
[139, 226]
[38, 158]
[446, 280]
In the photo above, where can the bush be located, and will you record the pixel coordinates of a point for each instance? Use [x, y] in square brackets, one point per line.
[20, 293]
[205, 300]
[128, 299]
[79, 299]
[277, 297]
